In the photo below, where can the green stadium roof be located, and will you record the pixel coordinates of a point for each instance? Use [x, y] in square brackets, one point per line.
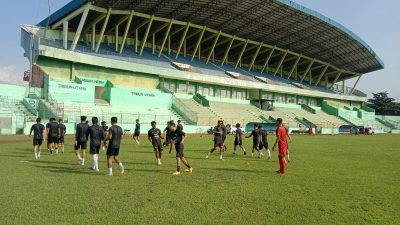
[280, 23]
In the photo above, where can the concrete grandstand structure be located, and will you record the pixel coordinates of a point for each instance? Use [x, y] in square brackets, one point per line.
[198, 61]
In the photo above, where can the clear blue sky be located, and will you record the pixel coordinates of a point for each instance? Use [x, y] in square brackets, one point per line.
[376, 21]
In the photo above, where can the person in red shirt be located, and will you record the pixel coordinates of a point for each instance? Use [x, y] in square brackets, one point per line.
[282, 145]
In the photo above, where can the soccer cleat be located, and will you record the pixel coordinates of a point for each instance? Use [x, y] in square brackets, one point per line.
[57, 151]
[83, 162]
[189, 170]
[244, 153]
[177, 173]
[38, 155]
[122, 170]
[109, 174]
[159, 163]
[207, 156]
[234, 153]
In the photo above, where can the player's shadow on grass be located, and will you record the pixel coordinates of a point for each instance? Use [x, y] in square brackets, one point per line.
[55, 162]
[235, 170]
[61, 169]
[16, 155]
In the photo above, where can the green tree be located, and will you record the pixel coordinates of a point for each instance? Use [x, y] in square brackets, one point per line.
[382, 103]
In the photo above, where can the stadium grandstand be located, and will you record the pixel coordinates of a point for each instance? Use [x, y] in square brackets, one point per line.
[244, 61]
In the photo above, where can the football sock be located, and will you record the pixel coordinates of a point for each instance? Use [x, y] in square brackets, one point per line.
[36, 155]
[121, 166]
[110, 171]
[269, 153]
[178, 168]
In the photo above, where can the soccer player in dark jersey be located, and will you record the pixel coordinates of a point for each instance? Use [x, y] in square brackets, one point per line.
[81, 140]
[154, 136]
[114, 136]
[105, 132]
[224, 133]
[136, 134]
[263, 141]
[52, 134]
[282, 145]
[166, 135]
[179, 126]
[38, 133]
[256, 140]
[96, 135]
[238, 140]
[61, 130]
[178, 138]
[218, 141]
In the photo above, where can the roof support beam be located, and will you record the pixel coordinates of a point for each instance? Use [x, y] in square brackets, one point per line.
[267, 59]
[128, 25]
[241, 53]
[71, 15]
[218, 44]
[93, 36]
[294, 67]
[280, 63]
[121, 21]
[307, 70]
[321, 75]
[103, 29]
[80, 27]
[336, 78]
[227, 51]
[65, 34]
[198, 43]
[213, 46]
[355, 85]
[182, 40]
[136, 29]
[146, 35]
[94, 22]
[160, 28]
[253, 60]
[166, 37]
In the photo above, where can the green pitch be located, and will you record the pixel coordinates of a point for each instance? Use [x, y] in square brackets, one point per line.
[332, 180]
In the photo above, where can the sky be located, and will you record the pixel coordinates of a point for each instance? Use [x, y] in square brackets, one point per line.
[377, 22]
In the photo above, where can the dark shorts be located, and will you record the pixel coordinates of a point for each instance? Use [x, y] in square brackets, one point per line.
[238, 142]
[255, 145]
[37, 142]
[112, 151]
[51, 139]
[223, 138]
[80, 145]
[218, 142]
[136, 134]
[179, 150]
[94, 149]
[61, 140]
[157, 146]
[167, 139]
[263, 145]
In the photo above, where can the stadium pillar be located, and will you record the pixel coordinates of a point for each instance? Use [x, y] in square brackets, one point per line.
[80, 27]
[241, 53]
[93, 36]
[65, 34]
[267, 59]
[146, 35]
[355, 85]
[197, 47]
[280, 63]
[136, 40]
[182, 40]
[307, 70]
[294, 67]
[103, 29]
[128, 25]
[166, 35]
[253, 60]
[116, 37]
[227, 50]
[213, 46]
[321, 75]
[326, 80]
[344, 87]
[336, 78]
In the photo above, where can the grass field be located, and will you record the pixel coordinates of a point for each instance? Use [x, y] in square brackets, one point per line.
[332, 180]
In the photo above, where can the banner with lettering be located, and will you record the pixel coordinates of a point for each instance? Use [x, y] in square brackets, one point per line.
[71, 92]
[141, 98]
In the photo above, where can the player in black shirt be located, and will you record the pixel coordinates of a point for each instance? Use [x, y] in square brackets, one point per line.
[238, 139]
[154, 136]
[178, 137]
[166, 135]
[81, 139]
[104, 127]
[38, 130]
[52, 134]
[256, 140]
[114, 136]
[96, 135]
[218, 141]
[224, 133]
[61, 130]
[136, 134]
[179, 126]
[263, 141]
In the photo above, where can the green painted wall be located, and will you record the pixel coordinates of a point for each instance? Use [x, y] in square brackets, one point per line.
[140, 98]
[13, 91]
[71, 92]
